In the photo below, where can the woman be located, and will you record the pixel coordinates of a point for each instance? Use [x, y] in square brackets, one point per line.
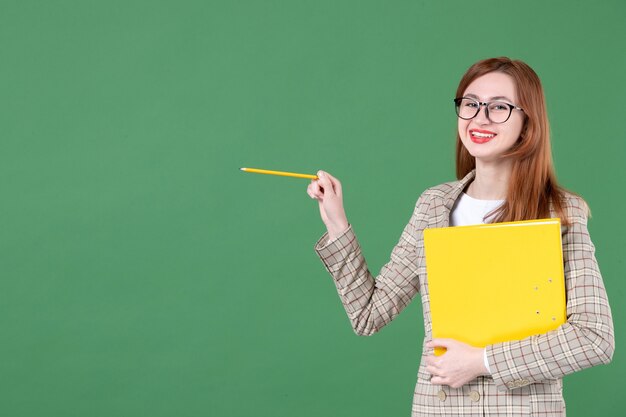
[505, 173]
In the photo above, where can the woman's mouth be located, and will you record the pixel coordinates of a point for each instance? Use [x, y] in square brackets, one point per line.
[481, 136]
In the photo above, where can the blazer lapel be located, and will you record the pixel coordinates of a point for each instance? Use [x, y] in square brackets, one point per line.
[452, 195]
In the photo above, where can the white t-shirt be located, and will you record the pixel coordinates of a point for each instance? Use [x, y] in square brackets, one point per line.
[468, 210]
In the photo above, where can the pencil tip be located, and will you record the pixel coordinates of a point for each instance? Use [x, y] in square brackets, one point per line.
[242, 169]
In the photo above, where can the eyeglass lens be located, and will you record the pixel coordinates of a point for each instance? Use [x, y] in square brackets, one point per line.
[497, 112]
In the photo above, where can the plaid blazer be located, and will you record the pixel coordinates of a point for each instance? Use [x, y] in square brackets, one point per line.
[526, 374]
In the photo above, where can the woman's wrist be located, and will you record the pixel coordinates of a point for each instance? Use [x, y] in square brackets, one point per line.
[335, 231]
[486, 362]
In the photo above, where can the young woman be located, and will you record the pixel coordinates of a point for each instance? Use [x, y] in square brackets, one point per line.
[505, 173]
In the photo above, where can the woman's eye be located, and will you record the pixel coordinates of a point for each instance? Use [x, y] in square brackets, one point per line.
[499, 107]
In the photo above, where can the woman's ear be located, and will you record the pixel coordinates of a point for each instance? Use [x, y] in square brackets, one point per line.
[522, 134]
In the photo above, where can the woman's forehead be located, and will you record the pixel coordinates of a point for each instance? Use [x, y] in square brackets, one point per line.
[492, 86]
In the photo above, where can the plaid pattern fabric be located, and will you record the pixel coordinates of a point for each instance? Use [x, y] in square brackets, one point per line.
[526, 374]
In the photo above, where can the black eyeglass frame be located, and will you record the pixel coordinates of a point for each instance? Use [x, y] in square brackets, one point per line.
[457, 105]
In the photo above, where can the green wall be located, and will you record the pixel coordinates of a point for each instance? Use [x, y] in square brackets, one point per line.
[143, 275]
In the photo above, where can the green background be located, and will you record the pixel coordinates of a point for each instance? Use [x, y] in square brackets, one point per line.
[142, 274]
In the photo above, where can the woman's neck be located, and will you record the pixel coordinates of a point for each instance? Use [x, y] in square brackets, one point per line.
[491, 181]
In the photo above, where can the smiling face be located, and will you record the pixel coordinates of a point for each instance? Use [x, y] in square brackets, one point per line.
[484, 140]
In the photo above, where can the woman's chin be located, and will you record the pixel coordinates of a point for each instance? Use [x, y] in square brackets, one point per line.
[485, 157]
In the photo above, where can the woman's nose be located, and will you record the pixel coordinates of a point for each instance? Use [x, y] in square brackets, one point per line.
[482, 117]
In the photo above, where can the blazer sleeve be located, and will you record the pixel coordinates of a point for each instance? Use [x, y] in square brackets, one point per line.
[585, 340]
[371, 302]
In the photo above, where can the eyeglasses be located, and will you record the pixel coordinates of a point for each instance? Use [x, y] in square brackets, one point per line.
[496, 111]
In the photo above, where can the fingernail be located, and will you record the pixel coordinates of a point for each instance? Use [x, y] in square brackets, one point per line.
[320, 173]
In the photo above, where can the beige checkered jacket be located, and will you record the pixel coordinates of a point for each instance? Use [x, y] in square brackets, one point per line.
[526, 374]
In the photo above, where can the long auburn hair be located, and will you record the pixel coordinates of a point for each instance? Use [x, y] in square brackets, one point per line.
[532, 185]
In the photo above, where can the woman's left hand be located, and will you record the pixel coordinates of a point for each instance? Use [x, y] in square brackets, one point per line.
[459, 365]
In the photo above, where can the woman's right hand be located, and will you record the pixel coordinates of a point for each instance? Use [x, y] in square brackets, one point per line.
[327, 191]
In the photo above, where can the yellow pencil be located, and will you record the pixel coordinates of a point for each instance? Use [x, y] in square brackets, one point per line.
[281, 173]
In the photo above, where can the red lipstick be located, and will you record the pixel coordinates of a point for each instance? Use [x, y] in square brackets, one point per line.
[481, 136]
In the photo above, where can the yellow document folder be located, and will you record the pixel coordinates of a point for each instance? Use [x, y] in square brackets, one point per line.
[493, 283]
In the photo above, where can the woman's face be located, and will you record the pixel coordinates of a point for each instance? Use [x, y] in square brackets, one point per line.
[484, 140]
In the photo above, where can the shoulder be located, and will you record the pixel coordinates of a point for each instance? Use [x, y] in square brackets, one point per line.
[441, 190]
[440, 198]
[575, 207]
[436, 195]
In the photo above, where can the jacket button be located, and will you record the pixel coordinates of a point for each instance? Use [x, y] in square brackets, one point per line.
[474, 396]
[442, 395]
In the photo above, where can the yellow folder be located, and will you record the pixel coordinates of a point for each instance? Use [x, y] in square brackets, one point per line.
[493, 283]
